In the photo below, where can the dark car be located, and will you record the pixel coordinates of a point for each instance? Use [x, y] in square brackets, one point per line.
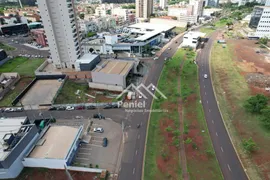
[79, 107]
[52, 108]
[98, 116]
[105, 142]
[61, 108]
[115, 106]
[90, 107]
[108, 106]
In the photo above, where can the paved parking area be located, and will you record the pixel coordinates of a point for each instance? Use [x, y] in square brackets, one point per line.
[42, 92]
[93, 152]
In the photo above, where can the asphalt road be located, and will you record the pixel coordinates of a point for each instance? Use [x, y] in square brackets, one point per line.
[132, 160]
[226, 155]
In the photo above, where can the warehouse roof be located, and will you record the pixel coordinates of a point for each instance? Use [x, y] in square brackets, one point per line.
[114, 67]
[55, 143]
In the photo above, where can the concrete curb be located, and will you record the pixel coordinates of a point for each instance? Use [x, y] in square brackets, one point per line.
[210, 69]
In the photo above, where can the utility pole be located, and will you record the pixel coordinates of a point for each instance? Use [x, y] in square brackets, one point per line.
[20, 3]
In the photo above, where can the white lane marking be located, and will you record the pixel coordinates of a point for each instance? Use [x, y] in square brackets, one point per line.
[209, 110]
[205, 93]
[207, 102]
[216, 134]
[229, 167]
[139, 136]
[133, 170]
[82, 158]
[204, 86]
[221, 149]
[136, 152]
[212, 121]
[84, 153]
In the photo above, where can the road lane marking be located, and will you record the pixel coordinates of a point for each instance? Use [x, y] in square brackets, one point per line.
[205, 93]
[212, 121]
[204, 86]
[207, 102]
[221, 149]
[216, 134]
[136, 152]
[139, 136]
[229, 167]
[133, 170]
[209, 110]
[82, 158]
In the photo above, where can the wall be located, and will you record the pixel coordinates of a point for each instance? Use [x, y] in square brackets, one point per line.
[45, 163]
[82, 169]
[110, 79]
[105, 86]
[39, 70]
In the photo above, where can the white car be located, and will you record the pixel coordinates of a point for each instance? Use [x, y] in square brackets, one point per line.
[165, 59]
[169, 48]
[205, 76]
[155, 58]
[70, 108]
[140, 96]
[99, 130]
[153, 88]
[9, 110]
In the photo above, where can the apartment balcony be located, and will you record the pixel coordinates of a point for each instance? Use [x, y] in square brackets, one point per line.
[69, 5]
[78, 52]
[71, 16]
[74, 30]
[75, 35]
[78, 47]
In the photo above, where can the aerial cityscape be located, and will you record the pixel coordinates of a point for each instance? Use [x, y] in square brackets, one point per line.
[135, 89]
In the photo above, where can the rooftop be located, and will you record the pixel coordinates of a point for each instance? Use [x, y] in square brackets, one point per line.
[55, 143]
[8, 125]
[87, 58]
[114, 67]
[194, 34]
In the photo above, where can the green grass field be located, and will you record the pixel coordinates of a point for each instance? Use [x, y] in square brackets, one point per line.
[232, 91]
[179, 30]
[207, 30]
[156, 143]
[6, 47]
[21, 65]
[194, 115]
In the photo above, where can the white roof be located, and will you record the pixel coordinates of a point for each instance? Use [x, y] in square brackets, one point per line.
[87, 58]
[8, 125]
[194, 34]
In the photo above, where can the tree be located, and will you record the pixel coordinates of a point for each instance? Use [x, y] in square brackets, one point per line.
[263, 40]
[249, 145]
[81, 16]
[2, 21]
[265, 118]
[256, 103]
[90, 34]
[169, 129]
[176, 132]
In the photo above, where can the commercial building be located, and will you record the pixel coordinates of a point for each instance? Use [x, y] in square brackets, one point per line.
[111, 75]
[38, 35]
[87, 62]
[163, 3]
[55, 148]
[260, 20]
[7, 82]
[17, 137]
[144, 8]
[14, 29]
[192, 39]
[60, 24]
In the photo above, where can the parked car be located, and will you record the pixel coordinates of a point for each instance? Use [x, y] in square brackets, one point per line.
[52, 108]
[19, 109]
[99, 130]
[9, 110]
[61, 108]
[108, 106]
[98, 116]
[140, 96]
[90, 107]
[115, 106]
[79, 107]
[155, 58]
[70, 108]
[105, 142]
[169, 48]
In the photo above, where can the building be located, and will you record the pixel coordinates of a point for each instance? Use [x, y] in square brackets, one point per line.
[260, 20]
[38, 35]
[163, 3]
[267, 3]
[111, 75]
[62, 31]
[197, 7]
[192, 39]
[55, 148]
[14, 29]
[87, 62]
[101, 11]
[212, 3]
[183, 14]
[7, 82]
[17, 137]
[88, 26]
[144, 8]
[209, 12]
[121, 12]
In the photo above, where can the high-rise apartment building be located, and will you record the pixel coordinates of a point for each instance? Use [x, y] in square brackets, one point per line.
[62, 31]
[144, 8]
[163, 3]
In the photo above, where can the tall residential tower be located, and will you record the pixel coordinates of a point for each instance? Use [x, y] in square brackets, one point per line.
[62, 31]
[144, 8]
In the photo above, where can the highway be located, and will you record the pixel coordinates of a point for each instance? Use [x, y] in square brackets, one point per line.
[226, 155]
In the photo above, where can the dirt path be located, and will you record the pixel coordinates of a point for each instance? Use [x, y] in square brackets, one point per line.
[182, 152]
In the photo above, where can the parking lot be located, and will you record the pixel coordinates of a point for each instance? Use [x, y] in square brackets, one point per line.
[94, 153]
[42, 92]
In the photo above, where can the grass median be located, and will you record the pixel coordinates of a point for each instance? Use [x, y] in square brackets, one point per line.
[198, 145]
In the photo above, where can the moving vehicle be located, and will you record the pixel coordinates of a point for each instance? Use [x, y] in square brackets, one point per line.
[98, 116]
[153, 88]
[98, 130]
[205, 76]
[105, 142]
[169, 48]
[140, 96]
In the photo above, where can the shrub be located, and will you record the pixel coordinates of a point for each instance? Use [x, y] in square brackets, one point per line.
[256, 103]
[97, 166]
[188, 141]
[249, 145]
[169, 129]
[210, 152]
[265, 118]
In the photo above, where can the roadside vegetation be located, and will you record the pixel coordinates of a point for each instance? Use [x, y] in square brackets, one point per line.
[246, 117]
[162, 149]
[178, 30]
[6, 47]
[198, 145]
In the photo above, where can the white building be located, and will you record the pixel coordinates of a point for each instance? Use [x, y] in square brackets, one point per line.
[121, 12]
[192, 39]
[144, 8]
[88, 26]
[163, 3]
[197, 7]
[263, 27]
[101, 11]
[183, 14]
[62, 31]
[267, 3]
[173, 11]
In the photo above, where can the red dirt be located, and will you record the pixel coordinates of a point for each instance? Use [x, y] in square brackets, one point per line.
[169, 162]
[54, 174]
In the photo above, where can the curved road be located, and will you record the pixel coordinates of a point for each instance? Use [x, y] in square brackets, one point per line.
[226, 155]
